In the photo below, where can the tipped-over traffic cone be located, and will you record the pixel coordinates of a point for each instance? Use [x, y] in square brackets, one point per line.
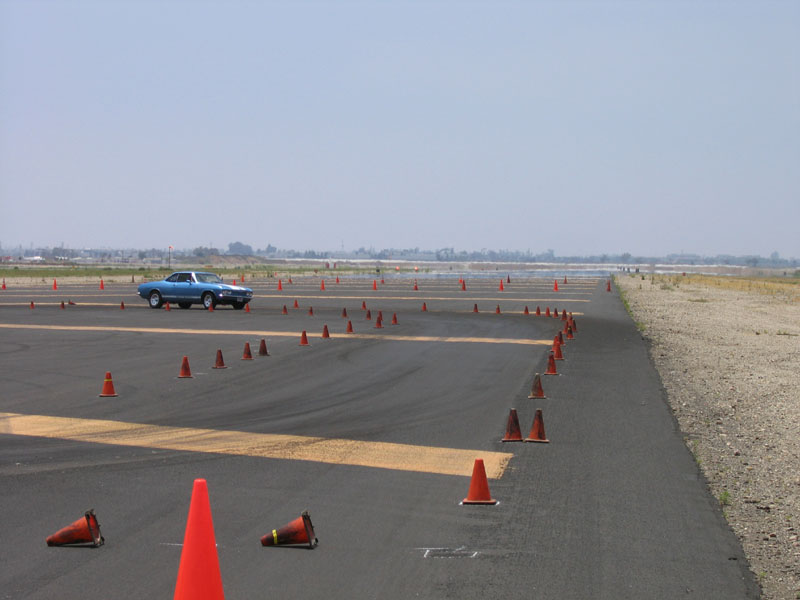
[551, 365]
[513, 432]
[322, 286]
[85, 530]
[555, 285]
[262, 348]
[71, 303]
[538, 312]
[479, 486]
[108, 387]
[424, 307]
[325, 333]
[349, 327]
[198, 574]
[246, 354]
[344, 313]
[368, 316]
[394, 318]
[219, 363]
[280, 285]
[526, 311]
[186, 372]
[102, 285]
[299, 531]
[501, 288]
[304, 339]
[55, 285]
[537, 430]
[536, 388]
[475, 308]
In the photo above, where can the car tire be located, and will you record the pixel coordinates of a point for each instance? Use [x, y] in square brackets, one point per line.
[185, 304]
[209, 300]
[155, 300]
[239, 305]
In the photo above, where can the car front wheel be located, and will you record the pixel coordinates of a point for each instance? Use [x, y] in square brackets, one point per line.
[155, 299]
[209, 300]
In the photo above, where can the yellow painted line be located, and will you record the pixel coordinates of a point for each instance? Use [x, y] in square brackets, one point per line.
[379, 455]
[294, 334]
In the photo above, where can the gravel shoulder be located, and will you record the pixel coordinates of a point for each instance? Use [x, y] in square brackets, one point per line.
[730, 362]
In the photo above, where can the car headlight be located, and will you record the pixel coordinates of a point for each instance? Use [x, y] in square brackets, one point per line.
[225, 293]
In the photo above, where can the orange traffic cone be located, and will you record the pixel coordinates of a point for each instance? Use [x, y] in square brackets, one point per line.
[537, 430]
[198, 574]
[344, 313]
[71, 303]
[508, 278]
[262, 348]
[380, 315]
[416, 287]
[561, 338]
[368, 315]
[551, 365]
[526, 311]
[295, 305]
[32, 305]
[479, 486]
[322, 286]
[569, 333]
[502, 288]
[463, 286]
[565, 279]
[547, 312]
[337, 279]
[608, 286]
[304, 339]
[4, 284]
[424, 307]
[290, 281]
[310, 311]
[536, 388]
[555, 313]
[325, 333]
[574, 326]
[220, 363]
[247, 308]
[497, 310]
[475, 308]
[538, 312]
[166, 306]
[299, 531]
[85, 530]
[102, 285]
[234, 282]
[108, 387]
[555, 285]
[383, 281]
[363, 305]
[349, 327]
[280, 285]
[122, 305]
[394, 318]
[186, 372]
[284, 311]
[557, 354]
[246, 354]
[563, 315]
[55, 285]
[379, 323]
[513, 433]
[374, 285]
[62, 305]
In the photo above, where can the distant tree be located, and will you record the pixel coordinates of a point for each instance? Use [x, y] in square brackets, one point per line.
[240, 248]
[625, 257]
[202, 251]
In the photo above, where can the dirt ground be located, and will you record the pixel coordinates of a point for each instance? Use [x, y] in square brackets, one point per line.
[728, 351]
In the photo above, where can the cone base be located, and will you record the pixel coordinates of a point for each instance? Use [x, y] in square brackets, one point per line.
[107, 395]
[532, 397]
[512, 440]
[537, 441]
[486, 502]
[222, 367]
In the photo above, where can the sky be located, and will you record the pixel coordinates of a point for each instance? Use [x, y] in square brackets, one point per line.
[582, 127]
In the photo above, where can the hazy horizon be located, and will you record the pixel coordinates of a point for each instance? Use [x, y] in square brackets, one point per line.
[587, 128]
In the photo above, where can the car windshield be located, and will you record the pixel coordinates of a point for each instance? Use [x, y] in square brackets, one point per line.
[207, 278]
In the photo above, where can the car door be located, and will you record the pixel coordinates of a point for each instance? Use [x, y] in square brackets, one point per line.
[183, 289]
[167, 287]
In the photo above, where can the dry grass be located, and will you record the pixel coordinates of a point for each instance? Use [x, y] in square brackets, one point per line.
[783, 288]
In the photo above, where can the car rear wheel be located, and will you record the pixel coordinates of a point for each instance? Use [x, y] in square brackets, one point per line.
[209, 300]
[185, 304]
[155, 300]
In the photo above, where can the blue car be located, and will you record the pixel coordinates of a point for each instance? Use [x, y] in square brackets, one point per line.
[194, 287]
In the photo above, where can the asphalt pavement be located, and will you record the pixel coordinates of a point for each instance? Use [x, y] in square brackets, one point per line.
[613, 507]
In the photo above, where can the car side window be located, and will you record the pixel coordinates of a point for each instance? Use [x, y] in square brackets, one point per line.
[184, 277]
[173, 278]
